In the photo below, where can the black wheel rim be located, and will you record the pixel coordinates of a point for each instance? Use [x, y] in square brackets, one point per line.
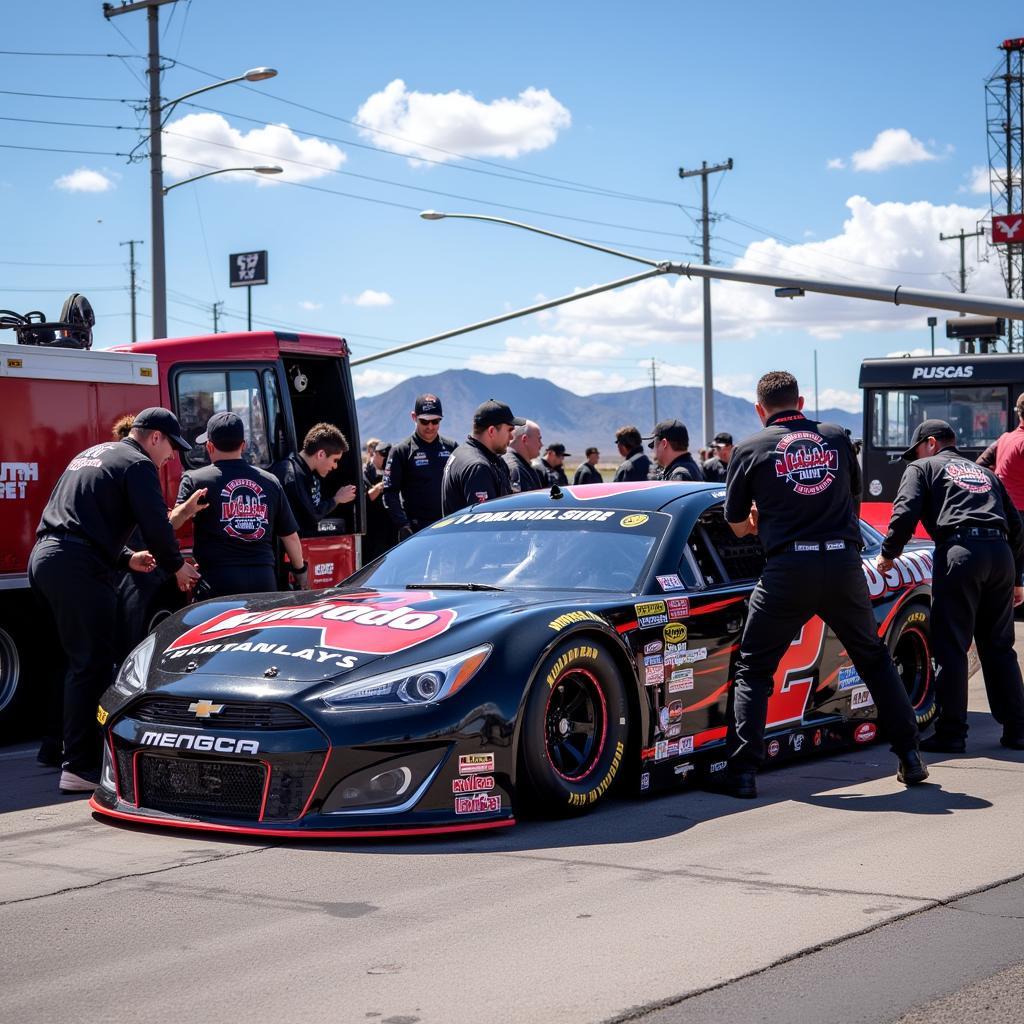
[914, 664]
[575, 724]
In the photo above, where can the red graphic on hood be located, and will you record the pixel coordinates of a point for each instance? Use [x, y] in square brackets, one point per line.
[592, 491]
[365, 624]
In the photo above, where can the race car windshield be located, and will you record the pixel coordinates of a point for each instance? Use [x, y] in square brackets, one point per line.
[534, 549]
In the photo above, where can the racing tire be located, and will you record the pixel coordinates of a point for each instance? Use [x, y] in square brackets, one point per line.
[911, 648]
[575, 730]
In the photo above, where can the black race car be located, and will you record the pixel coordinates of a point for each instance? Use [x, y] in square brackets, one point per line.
[544, 648]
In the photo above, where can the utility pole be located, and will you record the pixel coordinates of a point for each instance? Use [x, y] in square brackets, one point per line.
[654, 388]
[709, 394]
[217, 307]
[963, 236]
[156, 161]
[131, 243]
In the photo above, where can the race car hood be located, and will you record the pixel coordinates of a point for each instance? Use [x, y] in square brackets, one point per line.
[311, 637]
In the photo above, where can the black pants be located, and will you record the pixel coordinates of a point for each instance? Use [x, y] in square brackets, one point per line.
[81, 591]
[227, 580]
[972, 594]
[794, 587]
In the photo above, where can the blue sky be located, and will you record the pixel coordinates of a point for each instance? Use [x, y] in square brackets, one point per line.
[547, 109]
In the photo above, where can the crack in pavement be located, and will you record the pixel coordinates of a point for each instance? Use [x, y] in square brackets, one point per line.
[135, 874]
[637, 1013]
[707, 876]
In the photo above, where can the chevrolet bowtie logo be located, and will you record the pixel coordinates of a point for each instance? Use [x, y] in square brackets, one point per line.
[205, 708]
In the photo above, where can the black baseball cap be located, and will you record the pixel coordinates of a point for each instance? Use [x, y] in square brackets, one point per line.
[493, 413]
[157, 418]
[428, 405]
[593, 451]
[558, 449]
[225, 430]
[939, 429]
[722, 438]
[670, 430]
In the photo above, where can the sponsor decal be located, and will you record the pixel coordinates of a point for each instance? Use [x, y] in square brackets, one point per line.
[865, 732]
[204, 708]
[102, 714]
[670, 582]
[661, 750]
[674, 633]
[645, 781]
[673, 652]
[663, 719]
[319, 655]
[861, 698]
[773, 748]
[524, 515]
[647, 754]
[381, 624]
[480, 496]
[678, 607]
[680, 681]
[480, 803]
[647, 621]
[578, 799]
[15, 478]
[476, 764]
[473, 784]
[689, 657]
[564, 660]
[327, 526]
[806, 462]
[628, 522]
[910, 568]
[645, 608]
[653, 659]
[673, 748]
[654, 675]
[675, 710]
[322, 569]
[968, 477]
[916, 617]
[207, 744]
[683, 769]
[848, 678]
[243, 510]
[816, 738]
[686, 745]
[941, 372]
[442, 522]
[797, 741]
[571, 619]
[875, 488]
[718, 766]
[653, 647]
[673, 731]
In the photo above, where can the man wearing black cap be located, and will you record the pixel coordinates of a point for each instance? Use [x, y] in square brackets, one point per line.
[381, 534]
[670, 443]
[717, 467]
[979, 555]
[550, 467]
[245, 514]
[80, 548]
[795, 484]
[476, 471]
[635, 465]
[522, 450]
[587, 472]
[415, 468]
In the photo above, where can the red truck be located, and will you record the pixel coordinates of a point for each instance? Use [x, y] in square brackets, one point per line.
[55, 401]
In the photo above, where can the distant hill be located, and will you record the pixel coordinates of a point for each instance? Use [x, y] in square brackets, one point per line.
[578, 421]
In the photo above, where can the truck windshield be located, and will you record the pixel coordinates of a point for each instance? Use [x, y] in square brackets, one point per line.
[977, 414]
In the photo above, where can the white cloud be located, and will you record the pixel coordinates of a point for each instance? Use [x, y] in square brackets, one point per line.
[84, 180]
[373, 382]
[310, 306]
[412, 122]
[977, 181]
[835, 398]
[836, 164]
[201, 142]
[369, 297]
[893, 147]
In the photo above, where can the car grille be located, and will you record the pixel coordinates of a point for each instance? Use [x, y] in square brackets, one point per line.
[194, 787]
[235, 714]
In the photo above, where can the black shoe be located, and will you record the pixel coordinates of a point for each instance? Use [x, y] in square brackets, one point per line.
[1013, 742]
[938, 744]
[741, 785]
[912, 769]
[49, 754]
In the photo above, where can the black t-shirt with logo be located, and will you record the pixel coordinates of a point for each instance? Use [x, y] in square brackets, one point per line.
[246, 511]
[947, 492]
[803, 476]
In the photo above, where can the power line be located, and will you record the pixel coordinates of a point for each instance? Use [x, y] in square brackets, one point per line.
[71, 124]
[59, 96]
[52, 149]
[48, 53]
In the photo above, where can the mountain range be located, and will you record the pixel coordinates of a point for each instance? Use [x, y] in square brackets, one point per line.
[577, 421]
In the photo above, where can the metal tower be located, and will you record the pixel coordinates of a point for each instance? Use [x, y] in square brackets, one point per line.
[1004, 110]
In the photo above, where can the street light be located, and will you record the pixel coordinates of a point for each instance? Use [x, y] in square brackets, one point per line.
[224, 170]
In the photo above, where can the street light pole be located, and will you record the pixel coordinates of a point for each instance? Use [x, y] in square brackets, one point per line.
[223, 170]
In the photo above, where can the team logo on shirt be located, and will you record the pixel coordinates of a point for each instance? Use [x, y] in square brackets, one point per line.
[968, 476]
[243, 510]
[806, 462]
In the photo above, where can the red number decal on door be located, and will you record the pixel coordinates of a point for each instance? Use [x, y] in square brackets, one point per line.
[795, 674]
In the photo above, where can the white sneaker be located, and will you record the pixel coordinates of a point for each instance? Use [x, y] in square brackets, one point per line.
[71, 782]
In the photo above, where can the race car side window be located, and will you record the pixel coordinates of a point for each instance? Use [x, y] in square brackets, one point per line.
[710, 571]
[714, 556]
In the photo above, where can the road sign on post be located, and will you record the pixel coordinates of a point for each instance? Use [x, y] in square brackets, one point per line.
[246, 269]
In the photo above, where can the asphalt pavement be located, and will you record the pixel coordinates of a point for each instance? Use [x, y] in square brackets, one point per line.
[837, 895]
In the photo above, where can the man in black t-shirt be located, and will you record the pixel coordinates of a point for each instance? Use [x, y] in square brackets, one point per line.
[976, 581]
[795, 484]
[245, 514]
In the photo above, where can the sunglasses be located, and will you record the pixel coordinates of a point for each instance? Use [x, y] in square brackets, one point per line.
[427, 423]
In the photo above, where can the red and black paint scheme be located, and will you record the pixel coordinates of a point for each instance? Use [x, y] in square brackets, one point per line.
[536, 651]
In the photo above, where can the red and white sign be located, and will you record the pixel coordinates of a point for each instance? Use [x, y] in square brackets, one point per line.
[1007, 228]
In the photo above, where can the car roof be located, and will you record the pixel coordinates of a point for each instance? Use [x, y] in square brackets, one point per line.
[642, 496]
